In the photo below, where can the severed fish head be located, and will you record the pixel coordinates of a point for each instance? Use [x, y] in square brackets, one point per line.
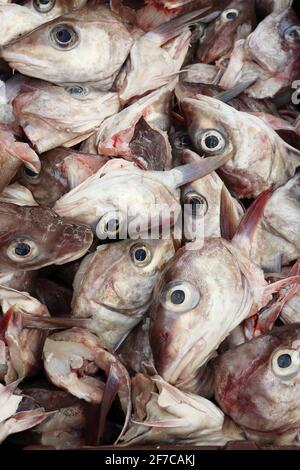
[32, 237]
[52, 116]
[258, 384]
[66, 51]
[115, 285]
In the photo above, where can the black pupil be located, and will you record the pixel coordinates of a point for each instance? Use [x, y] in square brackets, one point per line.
[44, 2]
[112, 225]
[211, 141]
[22, 249]
[295, 33]
[231, 15]
[140, 254]
[76, 90]
[184, 140]
[177, 297]
[63, 36]
[284, 361]
[30, 172]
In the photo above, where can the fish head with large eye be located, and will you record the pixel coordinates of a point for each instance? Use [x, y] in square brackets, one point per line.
[292, 34]
[230, 15]
[141, 255]
[196, 203]
[64, 36]
[211, 142]
[111, 225]
[180, 296]
[29, 176]
[43, 6]
[286, 363]
[22, 249]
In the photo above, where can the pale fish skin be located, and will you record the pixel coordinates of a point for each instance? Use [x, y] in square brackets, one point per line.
[259, 158]
[116, 132]
[66, 422]
[12, 420]
[32, 237]
[114, 288]
[17, 20]
[235, 22]
[257, 385]
[185, 297]
[165, 415]
[66, 50]
[71, 360]
[276, 241]
[52, 116]
[23, 346]
[270, 56]
[104, 197]
[13, 153]
[61, 169]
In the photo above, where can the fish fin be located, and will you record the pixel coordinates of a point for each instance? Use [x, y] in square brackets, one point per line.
[25, 420]
[53, 323]
[249, 222]
[235, 91]
[17, 194]
[185, 174]
[264, 321]
[282, 283]
[174, 27]
[164, 423]
[25, 154]
[229, 218]
[110, 392]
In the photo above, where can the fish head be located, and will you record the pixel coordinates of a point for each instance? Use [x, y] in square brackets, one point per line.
[260, 380]
[255, 150]
[211, 125]
[53, 116]
[196, 303]
[235, 22]
[50, 176]
[122, 275]
[52, 51]
[32, 237]
[279, 32]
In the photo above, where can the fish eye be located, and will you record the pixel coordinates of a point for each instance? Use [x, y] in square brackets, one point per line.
[30, 176]
[109, 225]
[211, 142]
[22, 249]
[197, 203]
[292, 33]
[64, 36]
[44, 6]
[286, 363]
[77, 91]
[230, 15]
[182, 141]
[140, 255]
[180, 296]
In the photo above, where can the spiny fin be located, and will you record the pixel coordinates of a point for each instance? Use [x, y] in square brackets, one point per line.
[229, 220]
[110, 392]
[249, 222]
[173, 28]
